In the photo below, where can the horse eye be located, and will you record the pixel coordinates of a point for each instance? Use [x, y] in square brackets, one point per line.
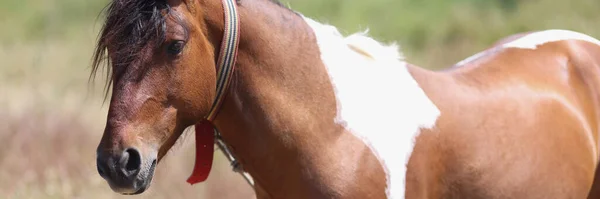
[175, 47]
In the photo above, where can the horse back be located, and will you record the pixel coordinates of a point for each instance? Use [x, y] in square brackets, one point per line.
[515, 123]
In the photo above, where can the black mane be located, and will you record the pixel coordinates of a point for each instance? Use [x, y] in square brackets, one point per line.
[130, 26]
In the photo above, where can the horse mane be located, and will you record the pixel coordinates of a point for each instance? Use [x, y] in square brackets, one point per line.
[129, 27]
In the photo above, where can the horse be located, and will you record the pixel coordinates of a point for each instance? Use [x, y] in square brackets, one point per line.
[310, 113]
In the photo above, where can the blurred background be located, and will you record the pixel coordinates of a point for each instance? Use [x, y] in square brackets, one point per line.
[51, 119]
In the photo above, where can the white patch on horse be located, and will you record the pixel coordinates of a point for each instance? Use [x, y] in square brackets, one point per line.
[378, 100]
[533, 40]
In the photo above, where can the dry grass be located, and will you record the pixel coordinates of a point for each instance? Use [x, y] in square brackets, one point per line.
[50, 153]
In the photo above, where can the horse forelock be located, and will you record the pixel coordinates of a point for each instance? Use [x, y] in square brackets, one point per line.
[130, 28]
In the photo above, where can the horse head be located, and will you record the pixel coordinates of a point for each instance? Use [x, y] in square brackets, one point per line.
[162, 71]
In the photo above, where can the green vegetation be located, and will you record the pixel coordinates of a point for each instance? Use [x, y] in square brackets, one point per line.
[438, 33]
[53, 119]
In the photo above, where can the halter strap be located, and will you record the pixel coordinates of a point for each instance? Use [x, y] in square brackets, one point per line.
[227, 56]
[205, 130]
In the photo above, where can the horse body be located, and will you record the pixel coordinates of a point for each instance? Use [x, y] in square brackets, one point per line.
[313, 114]
[503, 123]
[513, 122]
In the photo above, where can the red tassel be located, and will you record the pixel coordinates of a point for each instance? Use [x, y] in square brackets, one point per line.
[205, 140]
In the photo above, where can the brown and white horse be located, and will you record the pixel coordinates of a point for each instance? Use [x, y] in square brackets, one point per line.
[313, 114]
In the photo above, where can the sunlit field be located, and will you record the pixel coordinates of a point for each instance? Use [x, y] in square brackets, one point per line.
[52, 118]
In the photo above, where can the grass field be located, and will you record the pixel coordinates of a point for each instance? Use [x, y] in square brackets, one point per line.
[51, 119]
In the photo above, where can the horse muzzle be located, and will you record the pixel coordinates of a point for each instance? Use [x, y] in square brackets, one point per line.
[127, 172]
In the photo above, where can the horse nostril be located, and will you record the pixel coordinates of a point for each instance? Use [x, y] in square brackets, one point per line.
[132, 160]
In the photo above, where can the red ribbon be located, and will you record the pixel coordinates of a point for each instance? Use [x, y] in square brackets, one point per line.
[205, 139]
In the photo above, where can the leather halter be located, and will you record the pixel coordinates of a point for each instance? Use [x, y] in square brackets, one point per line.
[205, 130]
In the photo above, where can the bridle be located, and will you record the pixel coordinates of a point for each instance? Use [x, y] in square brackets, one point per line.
[206, 133]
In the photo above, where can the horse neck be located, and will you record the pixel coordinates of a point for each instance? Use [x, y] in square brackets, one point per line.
[280, 108]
